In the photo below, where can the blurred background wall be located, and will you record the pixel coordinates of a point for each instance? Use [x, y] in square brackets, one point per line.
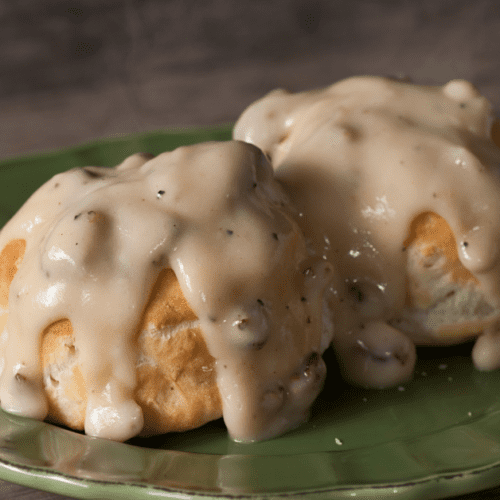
[76, 70]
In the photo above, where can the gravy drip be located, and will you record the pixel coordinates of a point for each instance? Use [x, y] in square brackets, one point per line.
[362, 159]
[96, 240]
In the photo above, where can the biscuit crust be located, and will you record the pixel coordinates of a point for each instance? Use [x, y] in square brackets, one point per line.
[176, 378]
[447, 303]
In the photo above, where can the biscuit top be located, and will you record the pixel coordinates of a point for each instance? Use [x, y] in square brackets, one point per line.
[97, 239]
[365, 157]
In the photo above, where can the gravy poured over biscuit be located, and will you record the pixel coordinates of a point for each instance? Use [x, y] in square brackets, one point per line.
[96, 240]
[363, 159]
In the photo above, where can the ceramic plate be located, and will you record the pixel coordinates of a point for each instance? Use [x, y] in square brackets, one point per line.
[437, 436]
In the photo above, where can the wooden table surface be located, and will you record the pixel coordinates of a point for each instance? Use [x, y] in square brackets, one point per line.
[80, 70]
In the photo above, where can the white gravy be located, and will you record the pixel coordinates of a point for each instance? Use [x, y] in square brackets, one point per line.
[361, 159]
[97, 238]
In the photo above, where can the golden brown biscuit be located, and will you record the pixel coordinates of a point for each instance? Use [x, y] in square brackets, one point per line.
[176, 383]
[368, 160]
[443, 296]
[10, 260]
[99, 334]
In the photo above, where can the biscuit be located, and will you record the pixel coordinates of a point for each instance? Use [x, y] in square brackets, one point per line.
[445, 303]
[398, 186]
[162, 293]
[176, 389]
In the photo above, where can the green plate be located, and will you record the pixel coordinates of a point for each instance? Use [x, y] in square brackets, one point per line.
[437, 436]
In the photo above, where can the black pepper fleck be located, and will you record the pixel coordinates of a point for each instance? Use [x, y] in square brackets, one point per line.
[159, 261]
[275, 236]
[257, 346]
[466, 243]
[303, 299]
[242, 324]
[260, 302]
[160, 193]
[254, 185]
[230, 232]
[77, 215]
[308, 320]
[357, 293]
[312, 360]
